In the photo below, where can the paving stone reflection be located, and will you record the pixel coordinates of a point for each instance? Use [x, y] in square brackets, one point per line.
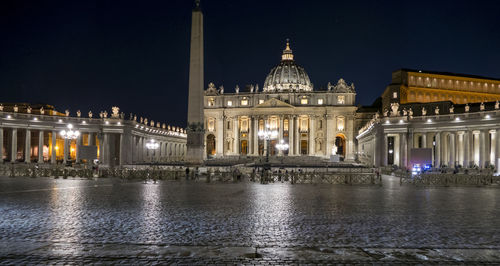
[107, 218]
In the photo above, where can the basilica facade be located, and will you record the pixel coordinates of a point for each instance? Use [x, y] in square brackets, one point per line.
[312, 122]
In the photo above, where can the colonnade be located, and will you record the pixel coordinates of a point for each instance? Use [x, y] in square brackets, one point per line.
[465, 148]
[48, 146]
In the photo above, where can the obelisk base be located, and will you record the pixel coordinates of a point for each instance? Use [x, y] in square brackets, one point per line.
[195, 146]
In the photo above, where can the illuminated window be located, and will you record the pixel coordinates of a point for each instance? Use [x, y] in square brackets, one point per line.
[340, 123]
[285, 125]
[211, 102]
[244, 102]
[229, 103]
[244, 125]
[261, 101]
[341, 99]
[395, 95]
[320, 101]
[211, 124]
[303, 101]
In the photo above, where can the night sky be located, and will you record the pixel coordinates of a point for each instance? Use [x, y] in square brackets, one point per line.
[135, 54]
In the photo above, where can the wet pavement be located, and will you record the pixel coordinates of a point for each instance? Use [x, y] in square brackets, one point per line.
[46, 220]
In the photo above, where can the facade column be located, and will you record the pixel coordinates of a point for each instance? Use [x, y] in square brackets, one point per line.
[437, 150]
[256, 136]
[251, 132]
[330, 137]
[27, 147]
[1, 145]
[291, 148]
[53, 153]
[280, 133]
[219, 140]
[13, 156]
[451, 150]
[482, 149]
[312, 133]
[424, 140]
[297, 136]
[40, 146]
[236, 132]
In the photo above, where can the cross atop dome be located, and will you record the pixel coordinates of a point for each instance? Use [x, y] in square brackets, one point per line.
[287, 53]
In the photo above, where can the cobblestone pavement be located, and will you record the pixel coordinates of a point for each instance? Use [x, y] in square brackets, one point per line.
[112, 221]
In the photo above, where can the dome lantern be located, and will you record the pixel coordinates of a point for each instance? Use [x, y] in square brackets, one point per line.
[287, 75]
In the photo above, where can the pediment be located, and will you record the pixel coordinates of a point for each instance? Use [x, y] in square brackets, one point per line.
[274, 103]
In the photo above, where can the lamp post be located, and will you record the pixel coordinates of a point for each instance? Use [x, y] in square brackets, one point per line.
[68, 135]
[152, 145]
[267, 134]
[282, 146]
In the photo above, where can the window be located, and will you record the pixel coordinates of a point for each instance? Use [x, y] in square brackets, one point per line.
[211, 102]
[303, 101]
[341, 99]
[229, 103]
[340, 123]
[320, 101]
[244, 102]
[211, 124]
[261, 101]
[395, 95]
[285, 125]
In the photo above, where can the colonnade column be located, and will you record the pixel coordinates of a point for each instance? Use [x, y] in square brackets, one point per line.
[79, 143]
[402, 149]
[65, 151]
[424, 140]
[105, 149]
[27, 146]
[53, 143]
[451, 163]
[460, 148]
[1, 145]
[291, 123]
[466, 145]
[40, 146]
[497, 150]
[122, 152]
[384, 158]
[410, 145]
[482, 148]
[13, 157]
[437, 150]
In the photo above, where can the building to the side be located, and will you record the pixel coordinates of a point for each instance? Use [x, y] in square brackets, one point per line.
[313, 122]
[33, 134]
[419, 86]
[459, 135]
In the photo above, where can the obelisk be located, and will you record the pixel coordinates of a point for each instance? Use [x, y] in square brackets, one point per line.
[195, 128]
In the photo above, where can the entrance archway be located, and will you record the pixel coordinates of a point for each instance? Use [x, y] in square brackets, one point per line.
[340, 143]
[210, 145]
[244, 147]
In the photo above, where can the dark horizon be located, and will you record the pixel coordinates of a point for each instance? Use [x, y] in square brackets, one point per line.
[93, 55]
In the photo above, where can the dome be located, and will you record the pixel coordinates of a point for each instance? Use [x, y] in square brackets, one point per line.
[287, 75]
